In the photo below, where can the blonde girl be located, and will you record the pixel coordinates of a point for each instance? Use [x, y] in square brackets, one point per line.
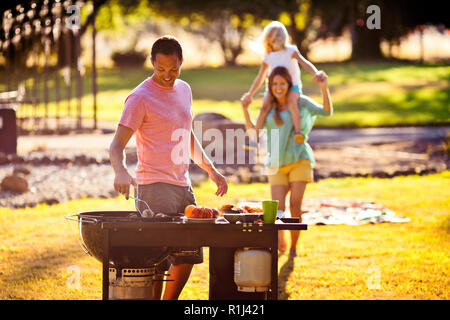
[279, 53]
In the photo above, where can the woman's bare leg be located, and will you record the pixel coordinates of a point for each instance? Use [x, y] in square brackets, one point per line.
[279, 193]
[295, 204]
[180, 275]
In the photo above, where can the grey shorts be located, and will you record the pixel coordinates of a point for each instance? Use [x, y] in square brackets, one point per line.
[170, 199]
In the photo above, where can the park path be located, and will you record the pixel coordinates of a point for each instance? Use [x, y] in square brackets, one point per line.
[378, 135]
[318, 136]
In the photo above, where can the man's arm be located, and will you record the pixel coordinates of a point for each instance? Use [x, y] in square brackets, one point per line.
[122, 179]
[199, 156]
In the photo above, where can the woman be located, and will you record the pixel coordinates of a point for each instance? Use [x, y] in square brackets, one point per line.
[290, 164]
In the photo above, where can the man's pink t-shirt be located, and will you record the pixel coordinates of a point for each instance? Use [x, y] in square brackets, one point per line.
[161, 118]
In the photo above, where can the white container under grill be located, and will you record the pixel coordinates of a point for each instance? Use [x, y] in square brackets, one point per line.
[134, 284]
[252, 269]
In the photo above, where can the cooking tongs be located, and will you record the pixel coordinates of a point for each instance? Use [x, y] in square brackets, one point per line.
[136, 200]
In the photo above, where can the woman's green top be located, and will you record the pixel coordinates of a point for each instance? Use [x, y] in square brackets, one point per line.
[281, 146]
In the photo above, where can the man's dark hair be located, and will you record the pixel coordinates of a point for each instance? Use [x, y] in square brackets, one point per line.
[167, 45]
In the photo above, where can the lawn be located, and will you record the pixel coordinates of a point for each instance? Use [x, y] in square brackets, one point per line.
[383, 94]
[40, 257]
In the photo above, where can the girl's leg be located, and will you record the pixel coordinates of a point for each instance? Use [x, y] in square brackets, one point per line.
[279, 193]
[295, 204]
[293, 97]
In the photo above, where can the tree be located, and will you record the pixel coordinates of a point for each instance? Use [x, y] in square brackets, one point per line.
[228, 21]
[224, 21]
[29, 25]
[397, 19]
[365, 41]
[334, 17]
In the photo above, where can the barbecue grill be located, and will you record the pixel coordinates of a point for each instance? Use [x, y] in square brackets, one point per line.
[129, 256]
[130, 248]
[132, 270]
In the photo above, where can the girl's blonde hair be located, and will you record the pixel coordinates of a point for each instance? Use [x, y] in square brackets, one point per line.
[273, 38]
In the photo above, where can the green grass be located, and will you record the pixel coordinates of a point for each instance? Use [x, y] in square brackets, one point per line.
[39, 248]
[383, 94]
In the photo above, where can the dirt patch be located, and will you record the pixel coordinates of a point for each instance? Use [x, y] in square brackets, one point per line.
[381, 160]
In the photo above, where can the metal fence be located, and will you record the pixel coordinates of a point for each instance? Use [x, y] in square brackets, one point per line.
[44, 77]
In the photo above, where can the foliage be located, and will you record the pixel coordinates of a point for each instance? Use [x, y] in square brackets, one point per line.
[398, 18]
[224, 21]
[130, 58]
[307, 20]
[114, 17]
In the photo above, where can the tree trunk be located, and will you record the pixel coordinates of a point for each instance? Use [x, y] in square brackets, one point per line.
[230, 53]
[298, 36]
[298, 39]
[231, 62]
[231, 48]
[366, 44]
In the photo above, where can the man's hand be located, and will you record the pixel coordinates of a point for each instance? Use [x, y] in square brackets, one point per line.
[122, 182]
[220, 181]
[122, 178]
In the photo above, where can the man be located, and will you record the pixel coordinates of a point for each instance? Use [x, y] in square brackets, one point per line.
[157, 111]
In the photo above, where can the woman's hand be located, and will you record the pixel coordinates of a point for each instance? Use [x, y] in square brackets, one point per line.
[323, 81]
[327, 103]
[246, 100]
[319, 76]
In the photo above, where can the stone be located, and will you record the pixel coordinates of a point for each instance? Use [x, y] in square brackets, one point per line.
[15, 183]
[380, 174]
[209, 116]
[50, 201]
[15, 159]
[21, 170]
[198, 178]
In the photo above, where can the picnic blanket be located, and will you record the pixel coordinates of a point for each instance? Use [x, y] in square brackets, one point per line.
[333, 211]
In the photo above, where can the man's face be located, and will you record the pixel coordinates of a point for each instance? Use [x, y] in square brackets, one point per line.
[166, 69]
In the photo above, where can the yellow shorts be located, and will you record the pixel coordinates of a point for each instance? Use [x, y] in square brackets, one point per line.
[292, 172]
